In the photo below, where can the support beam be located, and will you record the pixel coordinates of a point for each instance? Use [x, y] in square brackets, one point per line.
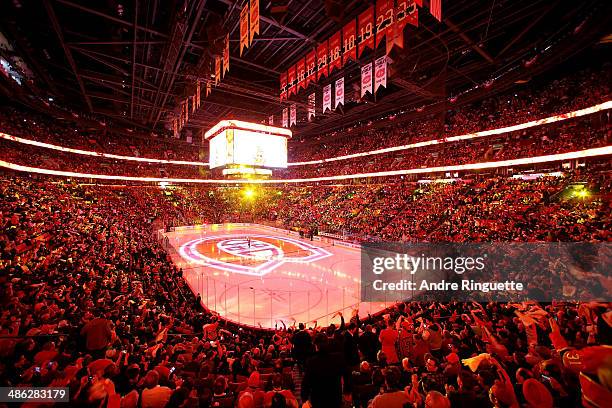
[469, 41]
[67, 52]
[273, 22]
[527, 28]
[194, 24]
[108, 17]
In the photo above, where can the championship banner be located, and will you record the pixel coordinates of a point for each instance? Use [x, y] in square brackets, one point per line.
[322, 60]
[193, 103]
[283, 86]
[244, 28]
[435, 8]
[271, 120]
[174, 127]
[226, 55]
[301, 74]
[217, 70]
[335, 51]
[285, 118]
[293, 119]
[311, 67]
[339, 92]
[311, 106]
[291, 81]
[380, 73]
[349, 35]
[366, 30]
[366, 79]
[327, 98]
[254, 20]
[208, 89]
[384, 19]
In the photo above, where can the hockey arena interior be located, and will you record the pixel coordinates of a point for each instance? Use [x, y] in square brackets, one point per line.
[306, 203]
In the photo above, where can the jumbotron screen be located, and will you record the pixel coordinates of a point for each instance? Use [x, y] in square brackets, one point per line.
[249, 144]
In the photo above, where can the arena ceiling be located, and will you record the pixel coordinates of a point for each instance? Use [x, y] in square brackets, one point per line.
[133, 61]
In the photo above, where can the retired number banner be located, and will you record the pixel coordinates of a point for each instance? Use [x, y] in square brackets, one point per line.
[366, 30]
[291, 81]
[384, 19]
[339, 92]
[254, 20]
[366, 79]
[226, 55]
[349, 36]
[327, 98]
[283, 86]
[322, 60]
[335, 51]
[244, 27]
[301, 74]
[311, 67]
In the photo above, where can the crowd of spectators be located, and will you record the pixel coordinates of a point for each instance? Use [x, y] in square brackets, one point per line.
[580, 90]
[93, 302]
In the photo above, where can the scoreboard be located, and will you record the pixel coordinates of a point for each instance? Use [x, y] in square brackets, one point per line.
[234, 142]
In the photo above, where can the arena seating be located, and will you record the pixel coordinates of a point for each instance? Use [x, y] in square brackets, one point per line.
[92, 301]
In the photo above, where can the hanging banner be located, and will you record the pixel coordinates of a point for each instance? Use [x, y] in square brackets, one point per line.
[283, 86]
[254, 20]
[435, 8]
[198, 95]
[271, 120]
[335, 51]
[349, 36]
[311, 106]
[175, 127]
[285, 124]
[380, 73]
[412, 13]
[226, 55]
[366, 30]
[293, 120]
[405, 13]
[339, 92]
[193, 103]
[217, 70]
[301, 74]
[384, 19]
[186, 111]
[208, 89]
[366, 79]
[327, 98]
[291, 81]
[311, 67]
[244, 28]
[322, 60]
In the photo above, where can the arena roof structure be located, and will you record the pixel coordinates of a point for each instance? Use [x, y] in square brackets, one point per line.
[134, 61]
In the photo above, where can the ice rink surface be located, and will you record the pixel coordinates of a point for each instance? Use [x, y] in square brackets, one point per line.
[262, 276]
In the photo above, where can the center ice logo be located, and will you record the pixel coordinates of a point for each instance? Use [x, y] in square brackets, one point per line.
[256, 255]
[250, 248]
